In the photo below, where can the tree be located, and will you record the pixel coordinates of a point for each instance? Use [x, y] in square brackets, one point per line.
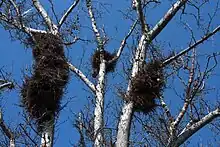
[153, 75]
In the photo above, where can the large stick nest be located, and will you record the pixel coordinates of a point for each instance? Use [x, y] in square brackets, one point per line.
[146, 86]
[41, 93]
[96, 62]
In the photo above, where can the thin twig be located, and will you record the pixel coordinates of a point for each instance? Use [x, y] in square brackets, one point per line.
[168, 61]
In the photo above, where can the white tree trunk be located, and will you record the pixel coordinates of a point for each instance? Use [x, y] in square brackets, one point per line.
[12, 142]
[47, 135]
[127, 110]
[98, 120]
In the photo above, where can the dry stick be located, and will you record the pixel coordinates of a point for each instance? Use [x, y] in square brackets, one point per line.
[52, 27]
[82, 77]
[7, 131]
[64, 17]
[168, 61]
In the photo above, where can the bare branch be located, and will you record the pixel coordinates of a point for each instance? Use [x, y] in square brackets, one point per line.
[7, 131]
[188, 97]
[52, 27]
[82, 77]
[16, 8]
[166, 109]
[6, 85]
[19, 25]
[62, 20]
[166, 62]
[94, 27]
[166, 19]
[188, 132]
[123, 43]
[140, 14]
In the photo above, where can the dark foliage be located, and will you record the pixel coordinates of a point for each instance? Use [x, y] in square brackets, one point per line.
[147, 85]
[41, 93]
[96, 62]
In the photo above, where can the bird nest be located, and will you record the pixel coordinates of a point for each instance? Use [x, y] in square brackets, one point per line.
[96, 62]
[146, 86]
[42, 91]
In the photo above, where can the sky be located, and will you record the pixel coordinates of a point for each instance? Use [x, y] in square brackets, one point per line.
[16, 59]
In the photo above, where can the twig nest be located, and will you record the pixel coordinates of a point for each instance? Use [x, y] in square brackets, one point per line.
[41, 93]
[146, 86]
[46, 45]
[96, 62]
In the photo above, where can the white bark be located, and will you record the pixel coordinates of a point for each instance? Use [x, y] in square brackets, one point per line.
[47, 135]
[127, 110]
[62, 20]
[12, 142]
[190, 130]
[124, 125]
[52, 27]
[6, 85]
[99, 111]
[94, 26]
[166, 19]
[82, 77]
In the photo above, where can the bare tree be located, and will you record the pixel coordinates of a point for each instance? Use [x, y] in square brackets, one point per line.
[149, 72]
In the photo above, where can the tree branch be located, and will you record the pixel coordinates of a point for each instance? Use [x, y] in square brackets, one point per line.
[188, 97]
[188, 132]
[6, 85]
[166, 19]
[94, 26]
[82, 77]
[140, 13]
[123, 43]
[166, 109]
[168, 61]
[7, 131]
[18, 25]
[52, 27]
[64, 17]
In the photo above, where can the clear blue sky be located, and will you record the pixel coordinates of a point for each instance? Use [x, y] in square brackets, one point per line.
[15, 58]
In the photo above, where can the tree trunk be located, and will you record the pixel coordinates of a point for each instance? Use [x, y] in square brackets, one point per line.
[127, 111]
[47, 135]
[98, 120]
